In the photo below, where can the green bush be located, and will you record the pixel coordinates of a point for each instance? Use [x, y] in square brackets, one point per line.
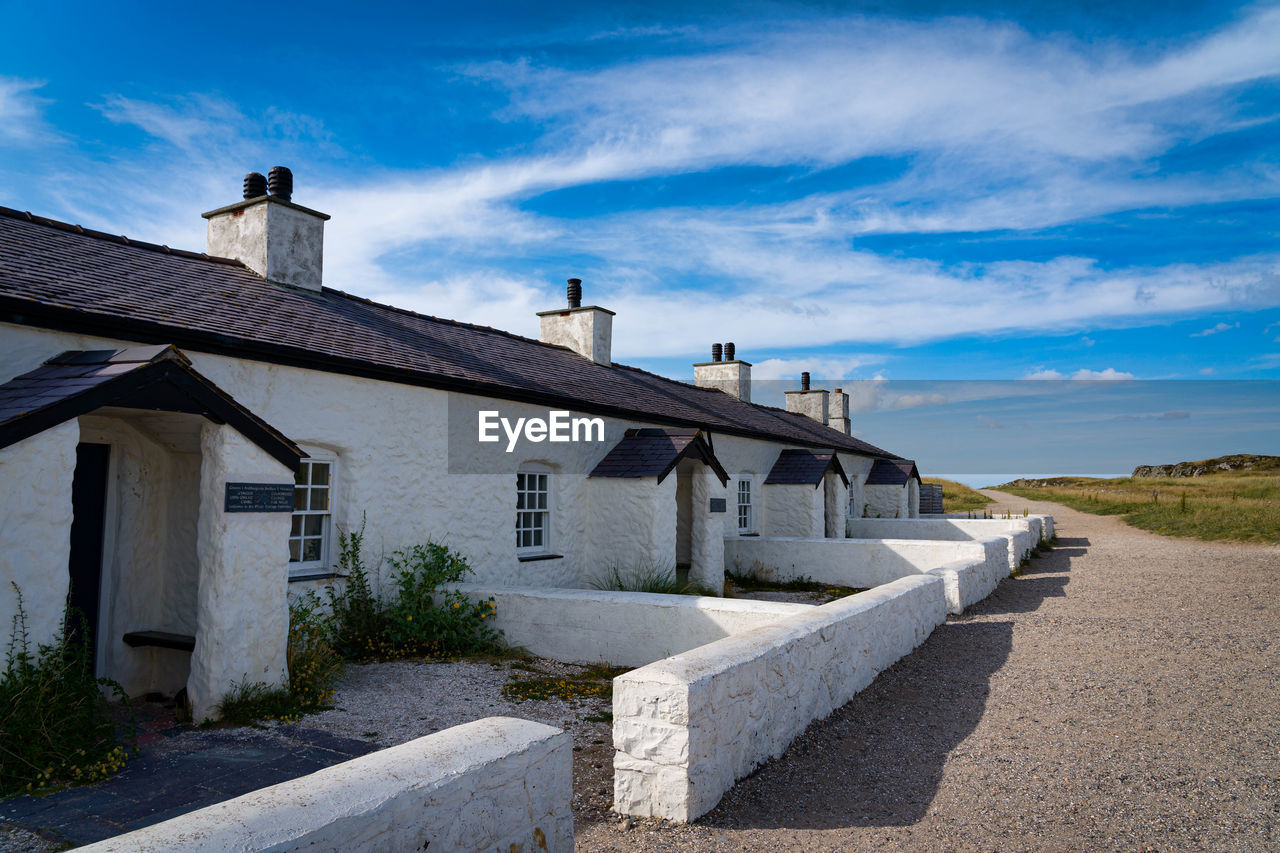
[56, 721]
[314, 664]
[357, 618]
[422, 619]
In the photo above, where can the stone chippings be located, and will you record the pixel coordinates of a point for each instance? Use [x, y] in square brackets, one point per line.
[1119, 695]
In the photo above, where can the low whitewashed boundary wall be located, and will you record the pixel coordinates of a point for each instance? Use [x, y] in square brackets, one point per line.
[967, 583]
[1023, 534]
[619, 628]
[685, 729]
[866, 562]
[495, 784]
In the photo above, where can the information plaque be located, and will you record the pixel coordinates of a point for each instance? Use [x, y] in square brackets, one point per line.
[717, 504]
[259, 497]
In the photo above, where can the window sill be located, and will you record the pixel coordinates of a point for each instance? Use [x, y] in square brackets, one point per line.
[533, 558]
[315, 575]
[744, 535]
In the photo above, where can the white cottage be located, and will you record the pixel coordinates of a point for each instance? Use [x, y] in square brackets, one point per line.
[181, 434]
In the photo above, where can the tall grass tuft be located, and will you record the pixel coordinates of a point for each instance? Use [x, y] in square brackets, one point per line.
[646, 577]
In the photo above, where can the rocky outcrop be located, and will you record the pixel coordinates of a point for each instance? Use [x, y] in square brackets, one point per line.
[1237, 462]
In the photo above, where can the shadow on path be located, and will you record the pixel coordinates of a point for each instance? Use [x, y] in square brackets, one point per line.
[892, 740]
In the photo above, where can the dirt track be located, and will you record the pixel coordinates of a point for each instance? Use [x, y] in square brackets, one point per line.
[1124, 693]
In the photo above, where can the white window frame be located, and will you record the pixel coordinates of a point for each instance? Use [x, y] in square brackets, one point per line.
[544, 511]
[324, 564]
[749, 481]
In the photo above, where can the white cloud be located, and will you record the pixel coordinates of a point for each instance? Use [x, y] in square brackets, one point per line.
[1221, 327]
[21, 112]
[822, 369]
[1207, 371]
[1083, 374]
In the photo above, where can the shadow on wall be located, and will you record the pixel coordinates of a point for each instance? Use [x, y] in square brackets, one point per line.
[878, 760]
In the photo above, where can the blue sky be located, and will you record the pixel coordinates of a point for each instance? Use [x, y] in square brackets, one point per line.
[907, 191]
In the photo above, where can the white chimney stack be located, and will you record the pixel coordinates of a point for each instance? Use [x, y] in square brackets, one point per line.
[587, 330]
[281, 241]
[808, 402]
[730, 375]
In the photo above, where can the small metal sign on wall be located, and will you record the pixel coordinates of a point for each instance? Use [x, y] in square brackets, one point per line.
[718, 504]
[259, 497]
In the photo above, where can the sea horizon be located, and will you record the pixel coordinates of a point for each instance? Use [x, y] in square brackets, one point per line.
[981, 481]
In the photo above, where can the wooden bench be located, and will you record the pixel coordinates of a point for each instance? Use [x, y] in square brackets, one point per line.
[161, 639]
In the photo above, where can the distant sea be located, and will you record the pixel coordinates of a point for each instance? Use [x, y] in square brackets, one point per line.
[982, 481]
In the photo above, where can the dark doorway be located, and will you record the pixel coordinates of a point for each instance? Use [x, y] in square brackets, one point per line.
[88, 505]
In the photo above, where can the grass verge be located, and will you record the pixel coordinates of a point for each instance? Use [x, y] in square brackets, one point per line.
[957, 497]
[1240, 506]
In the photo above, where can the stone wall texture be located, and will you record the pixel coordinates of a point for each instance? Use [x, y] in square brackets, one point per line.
[496, 784]
[686, 728]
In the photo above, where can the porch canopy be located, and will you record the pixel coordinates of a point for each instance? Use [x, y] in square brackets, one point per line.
[656, 453]
[804, 468]
[892, 472]
[156, 378]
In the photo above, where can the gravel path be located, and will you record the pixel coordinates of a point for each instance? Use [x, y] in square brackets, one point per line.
[1123, 694]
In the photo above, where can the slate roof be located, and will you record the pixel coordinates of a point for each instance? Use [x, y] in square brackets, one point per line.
[62, 276]
[887, 472]
[655, 453]
[158, 378]
[803, 468]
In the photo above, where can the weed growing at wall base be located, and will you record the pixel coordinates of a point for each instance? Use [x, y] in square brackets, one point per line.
[56, 722]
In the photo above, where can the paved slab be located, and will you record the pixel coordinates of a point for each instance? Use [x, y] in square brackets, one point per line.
[1123, 694]
[180, 769]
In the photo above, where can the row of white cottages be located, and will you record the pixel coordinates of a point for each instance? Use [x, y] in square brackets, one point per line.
[181, 434]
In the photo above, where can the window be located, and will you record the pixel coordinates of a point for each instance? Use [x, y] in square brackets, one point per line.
[312, 515]
[533, 512]
[746, 517]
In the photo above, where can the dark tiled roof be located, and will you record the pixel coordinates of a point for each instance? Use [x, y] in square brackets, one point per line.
[803, 468]
[655, 453]
[155, 377]
[62, 276]
[892, 472]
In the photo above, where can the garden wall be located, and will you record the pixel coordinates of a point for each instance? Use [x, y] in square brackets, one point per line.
[866, 563]
[619, 628]
[1022, 534]
[495, 784]
[688, 727]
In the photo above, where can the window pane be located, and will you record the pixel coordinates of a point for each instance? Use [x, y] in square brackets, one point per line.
[320, 473]
[320, 499]
[537, 538]
[299, 498]
[520, 501]
[295, 550]
[297, 526]
[313, 525]
[542, 500]
[301, 477]
[310, 550]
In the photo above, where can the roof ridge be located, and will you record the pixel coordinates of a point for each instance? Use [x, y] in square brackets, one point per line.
[118, 239]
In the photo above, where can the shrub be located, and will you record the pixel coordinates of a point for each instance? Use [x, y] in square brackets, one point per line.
[357, 621]
[422, 619]
[314, 664]
[56, 720]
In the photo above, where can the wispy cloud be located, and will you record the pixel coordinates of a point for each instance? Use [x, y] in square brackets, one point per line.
[1083, 374]
[21, 112]
[1214, 330]
[1171, 415]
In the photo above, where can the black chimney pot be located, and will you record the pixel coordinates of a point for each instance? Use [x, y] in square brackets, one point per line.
[717, 352]
[280, 183]
[804, 381]
[729, 351]
[575, 293]
[255, 184]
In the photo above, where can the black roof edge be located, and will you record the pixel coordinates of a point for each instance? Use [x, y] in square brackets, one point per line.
[21, 312]
[702, 449]
[221, 408]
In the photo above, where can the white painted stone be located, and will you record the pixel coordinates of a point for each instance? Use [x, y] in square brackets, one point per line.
[743, 699]
[242, 617]
[280, 241]
[1021, 534]
[35, 528]
[620, 628]
[587, 330]
[888, 501]
[496, 784]
[731, 377]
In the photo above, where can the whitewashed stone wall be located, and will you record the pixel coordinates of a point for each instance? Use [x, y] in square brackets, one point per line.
[35, 528]
[707, 557]
[967, 582]
[1021, 534]
[793, 511]
[620, 628]
[496, 784]
[887, 501]
[688, 727]
[242, 615]
[862, 563]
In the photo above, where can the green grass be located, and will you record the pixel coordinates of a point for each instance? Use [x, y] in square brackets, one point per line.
[595, 682]
[957, 497]
[647, 578]
[1235, 506]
